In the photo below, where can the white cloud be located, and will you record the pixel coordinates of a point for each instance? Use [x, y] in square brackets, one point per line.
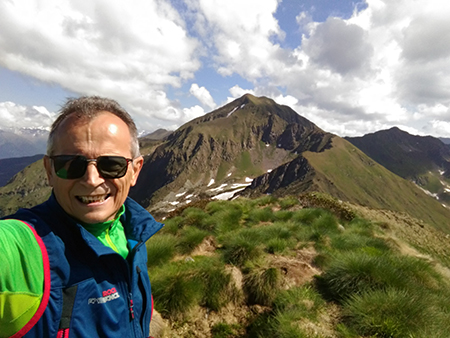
[241, 33]
[203, 95]
[237, 92]
[17, 116]
[388, 64]
[339, 46]
[126, 50]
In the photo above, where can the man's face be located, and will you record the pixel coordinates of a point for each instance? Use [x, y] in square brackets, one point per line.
[92, 198]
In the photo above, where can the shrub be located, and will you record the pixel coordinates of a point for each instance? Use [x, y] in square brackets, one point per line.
[350, 241]
[265, 200]
[283, 215]
[217, 284]
[261, 285]
[361, 226]
[161, 249]
[257, 215]
[223, 330]
[319, 200]
[227, 219]
[307, 215]
[276, 230]
[175, 292]
[288, 202]
[291, 308]
[239, 251]
[172, 225]
[356, 272]
[216, 206]
[190, 238]
[276, 245]
[388, 313]
[285, 326]
[301, 302]
[179, 286]
[194, 217]
[325, 223]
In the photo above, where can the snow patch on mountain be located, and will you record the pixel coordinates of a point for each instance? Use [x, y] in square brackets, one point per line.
[239, 107]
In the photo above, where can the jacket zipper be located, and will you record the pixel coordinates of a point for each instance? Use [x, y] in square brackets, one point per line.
[130, 303]
[110, 242]
[129, 263]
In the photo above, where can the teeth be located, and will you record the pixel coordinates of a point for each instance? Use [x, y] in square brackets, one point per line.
[92, 199]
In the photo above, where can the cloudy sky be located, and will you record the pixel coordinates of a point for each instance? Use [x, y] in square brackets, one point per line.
[350, 67]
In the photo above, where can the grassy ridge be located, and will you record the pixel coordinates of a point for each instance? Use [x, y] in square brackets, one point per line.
[294, 271]
[28, 188]
[362, 181]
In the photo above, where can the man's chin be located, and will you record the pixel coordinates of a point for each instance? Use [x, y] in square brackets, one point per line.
[95, 217]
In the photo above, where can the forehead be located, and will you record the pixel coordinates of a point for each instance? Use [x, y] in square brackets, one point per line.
[83, 133]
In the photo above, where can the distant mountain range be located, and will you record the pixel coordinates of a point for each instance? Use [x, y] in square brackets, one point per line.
[23, 142]
[253, 146]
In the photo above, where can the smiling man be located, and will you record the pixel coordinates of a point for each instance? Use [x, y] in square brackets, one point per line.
[76, 265]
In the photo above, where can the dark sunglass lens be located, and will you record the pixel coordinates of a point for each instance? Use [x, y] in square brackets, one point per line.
[112, 166]
[70, 167]
[60, 163]
[77, 167]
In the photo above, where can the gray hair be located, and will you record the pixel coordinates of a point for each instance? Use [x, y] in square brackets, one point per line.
[89, 107]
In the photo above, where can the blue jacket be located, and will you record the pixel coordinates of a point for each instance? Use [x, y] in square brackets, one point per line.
[93, 292]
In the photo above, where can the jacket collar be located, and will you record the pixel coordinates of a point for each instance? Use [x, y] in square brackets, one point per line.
[137, 222]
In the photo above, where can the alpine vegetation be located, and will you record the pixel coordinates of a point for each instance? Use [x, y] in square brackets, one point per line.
[306, 266]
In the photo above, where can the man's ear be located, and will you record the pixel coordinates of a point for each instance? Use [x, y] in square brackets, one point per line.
[138, 162]
[48, 169]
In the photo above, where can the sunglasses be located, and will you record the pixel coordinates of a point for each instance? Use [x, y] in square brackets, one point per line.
[74, 166]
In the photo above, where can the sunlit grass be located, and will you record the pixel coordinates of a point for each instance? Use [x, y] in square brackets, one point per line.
[377, 291]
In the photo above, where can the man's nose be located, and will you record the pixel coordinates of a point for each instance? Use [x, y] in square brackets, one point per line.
[92, 176]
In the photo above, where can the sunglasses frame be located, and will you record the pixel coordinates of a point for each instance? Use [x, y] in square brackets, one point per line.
[102, 172]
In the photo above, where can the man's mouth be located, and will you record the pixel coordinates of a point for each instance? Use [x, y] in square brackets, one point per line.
[92, 199]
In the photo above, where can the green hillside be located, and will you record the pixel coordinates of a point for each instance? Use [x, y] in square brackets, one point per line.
[346, 172]
[27, 188]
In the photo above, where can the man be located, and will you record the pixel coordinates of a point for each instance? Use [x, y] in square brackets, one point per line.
[75, 266]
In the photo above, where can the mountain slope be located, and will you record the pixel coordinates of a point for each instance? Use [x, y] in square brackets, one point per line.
[245, 138]
[10, 166]
[406, 155]
[26, 189]
[421, 159]
[347, 173]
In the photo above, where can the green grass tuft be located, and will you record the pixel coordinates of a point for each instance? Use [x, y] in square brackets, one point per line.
[257, 215]
[357, 272]
[240, 248]
[262, 285]
[161, 249]
[190, 238]
[175, 293]
[388, 313]
[172, 225]
[288, 202]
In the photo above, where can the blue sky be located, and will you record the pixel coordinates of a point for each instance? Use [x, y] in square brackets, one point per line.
[351, 67]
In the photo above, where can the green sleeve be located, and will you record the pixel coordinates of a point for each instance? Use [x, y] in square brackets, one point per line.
[21, 276]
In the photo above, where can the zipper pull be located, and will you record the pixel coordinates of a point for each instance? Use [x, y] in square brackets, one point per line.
[131, 307]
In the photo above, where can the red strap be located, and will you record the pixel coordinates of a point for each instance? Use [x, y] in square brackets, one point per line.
[63, 333]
